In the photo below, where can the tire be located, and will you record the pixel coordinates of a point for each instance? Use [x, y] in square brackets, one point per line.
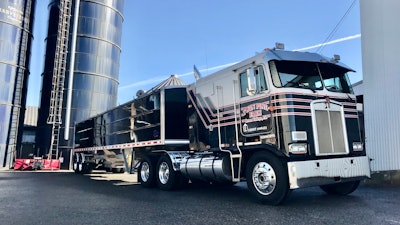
[75, 162]
[84, 167]
[80, 167]
[167, 178]
[340, 188]
[267, 178]
[81, 159]
[146, 173]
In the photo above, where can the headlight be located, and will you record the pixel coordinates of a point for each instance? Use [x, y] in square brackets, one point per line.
[298, 148]
[358, 146]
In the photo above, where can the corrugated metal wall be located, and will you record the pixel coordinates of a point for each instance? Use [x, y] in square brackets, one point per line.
[380, 29]
[31, 116]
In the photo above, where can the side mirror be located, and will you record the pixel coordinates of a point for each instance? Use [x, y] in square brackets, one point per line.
[251, 85]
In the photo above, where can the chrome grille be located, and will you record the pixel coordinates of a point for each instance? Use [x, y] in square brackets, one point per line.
[330, 134]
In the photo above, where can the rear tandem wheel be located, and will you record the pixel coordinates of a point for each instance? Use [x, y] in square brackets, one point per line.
[146, 174]
[167, 178]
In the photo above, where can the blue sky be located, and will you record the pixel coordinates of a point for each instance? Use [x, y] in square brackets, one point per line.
[161, 38]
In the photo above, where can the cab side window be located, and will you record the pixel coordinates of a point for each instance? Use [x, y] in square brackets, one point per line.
[252, 81]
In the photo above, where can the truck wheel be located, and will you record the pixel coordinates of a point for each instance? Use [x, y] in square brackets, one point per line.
[81, 163]
[146, 173]
[167, 178]
[340, 188]
[80, 167]
[267, 178]
[75, 163]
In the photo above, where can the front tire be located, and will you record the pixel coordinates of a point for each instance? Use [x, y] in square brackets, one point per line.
[340, 188]
[267, 178]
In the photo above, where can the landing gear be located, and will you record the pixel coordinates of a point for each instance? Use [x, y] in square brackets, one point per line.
[267, 178]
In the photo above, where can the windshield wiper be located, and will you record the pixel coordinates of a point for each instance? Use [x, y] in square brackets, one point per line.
[306, 87]
[309, 88]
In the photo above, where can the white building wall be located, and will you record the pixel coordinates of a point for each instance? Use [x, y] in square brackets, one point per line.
[358, 88]
[31, 116]
[380, 31]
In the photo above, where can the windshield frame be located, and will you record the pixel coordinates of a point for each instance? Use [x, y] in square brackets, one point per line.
[310, 75]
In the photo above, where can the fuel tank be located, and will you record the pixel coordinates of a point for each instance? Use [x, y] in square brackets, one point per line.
[207, 167]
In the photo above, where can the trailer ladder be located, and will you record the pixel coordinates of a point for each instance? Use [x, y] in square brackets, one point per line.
[60, 61]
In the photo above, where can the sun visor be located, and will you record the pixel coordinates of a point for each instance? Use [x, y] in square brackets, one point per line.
[301, 56]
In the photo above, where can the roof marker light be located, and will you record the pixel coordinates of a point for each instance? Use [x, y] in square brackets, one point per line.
[279, 46]
[336, 58]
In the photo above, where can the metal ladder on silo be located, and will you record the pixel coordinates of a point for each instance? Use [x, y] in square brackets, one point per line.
[60, 61]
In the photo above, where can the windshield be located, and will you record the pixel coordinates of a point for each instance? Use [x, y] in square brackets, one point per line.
[310, 75]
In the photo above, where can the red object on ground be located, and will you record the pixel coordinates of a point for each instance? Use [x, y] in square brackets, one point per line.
[23, 164]
[53, 164]
[45, 164]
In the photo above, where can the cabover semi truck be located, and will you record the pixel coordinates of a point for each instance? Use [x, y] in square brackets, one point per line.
[280, 120]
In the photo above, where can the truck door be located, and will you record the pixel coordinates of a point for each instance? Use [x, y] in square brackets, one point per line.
[255, 116]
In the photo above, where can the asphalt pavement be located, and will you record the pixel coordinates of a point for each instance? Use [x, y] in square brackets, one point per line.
[105, 198]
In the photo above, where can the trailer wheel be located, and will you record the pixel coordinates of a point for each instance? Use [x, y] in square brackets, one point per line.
[82, 166]
[80, 162]
[167, 178]
[267, 178]
[147, 175]
[340, 188]
[75, 160]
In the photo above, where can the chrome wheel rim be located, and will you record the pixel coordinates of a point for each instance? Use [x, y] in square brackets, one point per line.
[163, 173]
[264, 178]
[145, 172]
[75, 165]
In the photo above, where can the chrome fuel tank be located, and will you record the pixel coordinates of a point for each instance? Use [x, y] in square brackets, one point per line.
[207, 167]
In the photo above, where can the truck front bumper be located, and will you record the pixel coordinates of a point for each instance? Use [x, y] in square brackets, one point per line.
[328, 171]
